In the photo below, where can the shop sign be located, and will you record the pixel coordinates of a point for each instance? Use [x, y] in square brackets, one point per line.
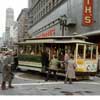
[50, 32]
[88, 13]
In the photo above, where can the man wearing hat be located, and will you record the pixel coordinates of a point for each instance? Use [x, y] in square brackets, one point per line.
[7, 74]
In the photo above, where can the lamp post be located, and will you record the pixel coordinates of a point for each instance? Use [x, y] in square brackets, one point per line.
[63, 22]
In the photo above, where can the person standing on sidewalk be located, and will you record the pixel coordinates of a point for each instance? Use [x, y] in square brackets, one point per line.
[53, 68]
[44, 60]
[14, 61]
[1, 61]
[98, 64]
[66, 58]
[70, 73]
[7, 74]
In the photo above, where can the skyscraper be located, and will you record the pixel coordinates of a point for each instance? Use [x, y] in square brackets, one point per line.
[9, 22]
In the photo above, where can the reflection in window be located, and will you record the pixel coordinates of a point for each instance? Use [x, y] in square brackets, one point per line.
[70, 49]
[80, 51]
[94, 53]
[88, 52]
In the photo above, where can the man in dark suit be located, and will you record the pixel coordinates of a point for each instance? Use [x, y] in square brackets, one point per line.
[44, 60]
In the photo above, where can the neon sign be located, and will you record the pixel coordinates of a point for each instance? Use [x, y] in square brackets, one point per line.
[50, 32]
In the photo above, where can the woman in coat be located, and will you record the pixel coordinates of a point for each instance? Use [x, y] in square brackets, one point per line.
[53, 67]
[70, 73]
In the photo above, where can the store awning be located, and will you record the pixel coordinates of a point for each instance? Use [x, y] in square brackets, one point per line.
[93, 33]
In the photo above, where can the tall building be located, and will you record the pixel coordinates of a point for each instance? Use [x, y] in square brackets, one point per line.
[1, 41]
[79, 16]
[9, 22]
[65, 17]
[14, 32]
[31, 3]
[22, 21]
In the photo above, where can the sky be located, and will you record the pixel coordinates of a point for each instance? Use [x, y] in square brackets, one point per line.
[17, 5]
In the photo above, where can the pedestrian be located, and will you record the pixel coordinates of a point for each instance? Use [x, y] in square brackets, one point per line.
[15, 61]
[61, 58]
[44, 60]
[1, 61]
[98, 64]
[7, 74]
[66, 58]
[70, 72]
[53, 67]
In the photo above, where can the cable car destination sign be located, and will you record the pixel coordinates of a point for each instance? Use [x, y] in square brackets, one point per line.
[88, 13]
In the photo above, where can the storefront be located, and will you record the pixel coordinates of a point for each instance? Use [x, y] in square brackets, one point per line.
[94, 37]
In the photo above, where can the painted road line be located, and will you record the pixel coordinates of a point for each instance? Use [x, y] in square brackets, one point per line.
[91, 83]
[18, 77]
[53, 83]
[45, 83]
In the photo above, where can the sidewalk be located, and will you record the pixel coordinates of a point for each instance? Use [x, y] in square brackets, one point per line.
[40, 87]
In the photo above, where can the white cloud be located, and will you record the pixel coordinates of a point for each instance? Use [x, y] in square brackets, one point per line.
[17, 5]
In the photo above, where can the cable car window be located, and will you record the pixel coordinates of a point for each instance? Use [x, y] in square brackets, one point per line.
[94, 52]
[80, 51]
[88, 51]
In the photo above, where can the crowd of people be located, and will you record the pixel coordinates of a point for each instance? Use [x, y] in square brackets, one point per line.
[8, 64]
[51, 65]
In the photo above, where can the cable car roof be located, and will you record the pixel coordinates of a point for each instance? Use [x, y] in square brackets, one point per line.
[55, 40]
[60, 37]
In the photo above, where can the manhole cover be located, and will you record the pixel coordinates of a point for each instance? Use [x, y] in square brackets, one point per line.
[78, 93]
[67, 93]
[57, 88]
[88, 91]
[44, 89]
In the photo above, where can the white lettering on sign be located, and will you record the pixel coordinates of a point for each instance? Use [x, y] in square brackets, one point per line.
[88, 13]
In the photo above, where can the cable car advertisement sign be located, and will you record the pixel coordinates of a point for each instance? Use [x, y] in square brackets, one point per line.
[87, 12]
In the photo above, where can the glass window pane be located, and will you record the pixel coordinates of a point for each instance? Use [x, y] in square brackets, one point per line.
[80, 51]
[88, 51]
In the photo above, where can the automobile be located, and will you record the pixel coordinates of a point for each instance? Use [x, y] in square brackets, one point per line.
[3, 49]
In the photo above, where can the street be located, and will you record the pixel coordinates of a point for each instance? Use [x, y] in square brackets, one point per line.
[30, 84]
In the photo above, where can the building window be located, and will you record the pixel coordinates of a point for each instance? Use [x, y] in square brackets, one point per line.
[44, 11]
[50, 6]
[39, 15]
[47, 8]
[39, 6]
[43, 2]
[53, 2]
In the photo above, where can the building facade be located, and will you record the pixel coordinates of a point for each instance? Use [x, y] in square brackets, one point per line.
[9, 22]
[43, 12]
[65, 17]
[14, 32]
[22, 21]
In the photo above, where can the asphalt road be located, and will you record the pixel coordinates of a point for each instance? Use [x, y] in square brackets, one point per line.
[30, 84]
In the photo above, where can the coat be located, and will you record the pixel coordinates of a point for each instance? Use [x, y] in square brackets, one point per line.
[1, 63]
[7, 74]
[45, 59]
[54, 64]
[70, 73]
[98, 64]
